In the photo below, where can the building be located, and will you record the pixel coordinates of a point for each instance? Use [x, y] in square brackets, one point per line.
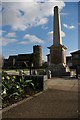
[48, 59]
[25, 60]
[76, 58]
[76, 61]
[69, 60]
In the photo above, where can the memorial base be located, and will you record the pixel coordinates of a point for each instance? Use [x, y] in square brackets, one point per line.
[59, 70]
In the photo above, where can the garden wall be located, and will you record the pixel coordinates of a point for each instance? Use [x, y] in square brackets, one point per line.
[39, 80]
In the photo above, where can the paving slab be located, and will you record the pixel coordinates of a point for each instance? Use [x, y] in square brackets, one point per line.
[63, 84]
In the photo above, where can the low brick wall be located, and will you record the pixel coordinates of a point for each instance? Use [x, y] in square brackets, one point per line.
[41, 80]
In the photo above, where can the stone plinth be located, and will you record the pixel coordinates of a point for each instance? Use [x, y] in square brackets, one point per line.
[59, 70]
[58, 54]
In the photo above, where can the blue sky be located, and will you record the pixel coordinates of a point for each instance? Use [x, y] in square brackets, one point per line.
[28, 24]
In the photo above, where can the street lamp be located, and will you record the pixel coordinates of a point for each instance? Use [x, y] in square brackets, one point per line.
[31, 65]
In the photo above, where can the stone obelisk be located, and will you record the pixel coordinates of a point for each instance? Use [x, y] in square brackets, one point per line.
[57, 27]
[57, 65]
[57, 50]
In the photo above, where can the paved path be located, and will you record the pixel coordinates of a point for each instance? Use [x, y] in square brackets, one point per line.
[69, 84]
[59, 101]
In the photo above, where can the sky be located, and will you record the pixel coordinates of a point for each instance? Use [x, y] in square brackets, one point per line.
[25, 24]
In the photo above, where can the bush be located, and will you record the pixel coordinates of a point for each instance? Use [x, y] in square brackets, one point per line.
[13, 90]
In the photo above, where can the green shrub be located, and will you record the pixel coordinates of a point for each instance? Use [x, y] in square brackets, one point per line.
[13, 90]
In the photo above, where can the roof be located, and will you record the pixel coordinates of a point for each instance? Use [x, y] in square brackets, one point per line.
[47, 54]
[12, 56]
[69, 56]
[76, 52]
[25, 54]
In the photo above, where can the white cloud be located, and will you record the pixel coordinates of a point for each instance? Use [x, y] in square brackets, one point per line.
[68, 26]
[1, 32]
[29, 1]
[0, 42]
[42, 21]
[6, 41]
[19, 0]
[44, 57]
[31, 39]
[11, 34]
[62, 34]
[64, 14]
[51, 33]
[44, 27]
[38, 22]
[19, 27]
[23, 15]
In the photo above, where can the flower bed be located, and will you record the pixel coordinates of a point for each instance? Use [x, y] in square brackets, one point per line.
[14, 90]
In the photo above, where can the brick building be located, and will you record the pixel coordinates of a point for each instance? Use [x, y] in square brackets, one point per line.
[69, 60]
[76, 58]
[25, 60]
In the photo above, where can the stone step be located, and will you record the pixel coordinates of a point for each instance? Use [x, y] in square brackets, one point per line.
[61, 74]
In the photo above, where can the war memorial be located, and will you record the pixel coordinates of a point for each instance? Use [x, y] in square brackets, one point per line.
[58, 97]
[57, 56]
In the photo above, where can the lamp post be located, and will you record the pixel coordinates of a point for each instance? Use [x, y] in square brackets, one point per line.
[25, 63]
[31, 65]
